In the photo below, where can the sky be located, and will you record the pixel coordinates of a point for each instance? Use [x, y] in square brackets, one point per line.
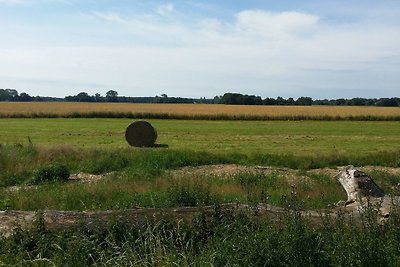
[289, 48]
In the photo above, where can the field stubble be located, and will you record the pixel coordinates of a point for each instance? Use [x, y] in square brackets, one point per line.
[195, 111]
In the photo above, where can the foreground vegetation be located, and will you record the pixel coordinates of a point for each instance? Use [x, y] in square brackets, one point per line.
[229, 238]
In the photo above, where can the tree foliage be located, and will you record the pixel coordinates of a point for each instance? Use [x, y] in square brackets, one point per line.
[227, 98]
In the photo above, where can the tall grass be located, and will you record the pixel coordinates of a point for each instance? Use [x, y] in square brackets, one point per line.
[141, 178]
[227, 238]
[21, 161]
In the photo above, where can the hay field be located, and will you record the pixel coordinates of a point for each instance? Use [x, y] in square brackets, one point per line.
[193, 111]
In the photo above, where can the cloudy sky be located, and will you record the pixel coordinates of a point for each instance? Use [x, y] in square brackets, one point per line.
[288, 48]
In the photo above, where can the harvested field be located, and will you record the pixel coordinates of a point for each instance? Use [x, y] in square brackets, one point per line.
[195, 111]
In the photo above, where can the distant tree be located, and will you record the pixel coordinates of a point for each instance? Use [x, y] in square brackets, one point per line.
[157, 99]
[98, 97]
[290, 101]
[81, 97]
[217, 100]
[232, 99]
[269, 101]
[24, 97]
[84, 97]
[341, 102]
[304, 101]
[389, 102]
[13, 94]
[358, 101]
[280, 101]
[8, 95]
[3, 95]
[112, 96]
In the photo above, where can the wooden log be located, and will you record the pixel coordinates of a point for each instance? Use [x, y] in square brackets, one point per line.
[58, 220]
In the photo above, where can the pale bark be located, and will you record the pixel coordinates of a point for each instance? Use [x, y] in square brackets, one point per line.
[358, 185]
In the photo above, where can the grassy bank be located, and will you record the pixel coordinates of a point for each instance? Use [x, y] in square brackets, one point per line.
[143, 178]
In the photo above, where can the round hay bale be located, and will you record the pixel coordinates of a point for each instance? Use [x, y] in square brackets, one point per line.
[141, 134]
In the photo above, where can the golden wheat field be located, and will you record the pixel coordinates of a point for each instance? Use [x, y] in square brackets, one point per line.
[63, 108]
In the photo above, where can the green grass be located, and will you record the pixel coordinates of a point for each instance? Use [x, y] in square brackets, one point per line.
[227, 238]
[140, 178]
[245, 137]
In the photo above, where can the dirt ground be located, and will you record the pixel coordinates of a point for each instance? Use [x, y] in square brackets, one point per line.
[228, 170]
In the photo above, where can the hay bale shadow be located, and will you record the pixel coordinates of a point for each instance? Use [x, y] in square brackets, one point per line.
[160, 146]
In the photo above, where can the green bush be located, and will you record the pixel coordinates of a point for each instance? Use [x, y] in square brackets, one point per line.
[52, 173]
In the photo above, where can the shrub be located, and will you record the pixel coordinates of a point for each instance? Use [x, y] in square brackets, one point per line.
[52, 173]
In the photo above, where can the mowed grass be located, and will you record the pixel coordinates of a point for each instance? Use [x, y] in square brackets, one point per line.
[195, 111]
[301, 138]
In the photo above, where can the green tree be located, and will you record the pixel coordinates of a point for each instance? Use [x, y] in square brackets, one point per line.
[112, 96]
[304, 101]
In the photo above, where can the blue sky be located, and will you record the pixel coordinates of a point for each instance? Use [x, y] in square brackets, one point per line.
[322, 49]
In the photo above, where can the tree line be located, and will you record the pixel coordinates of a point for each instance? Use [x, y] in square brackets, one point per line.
[240, 99]
[112, 96]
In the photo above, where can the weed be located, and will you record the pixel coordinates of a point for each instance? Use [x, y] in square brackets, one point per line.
[52, 173]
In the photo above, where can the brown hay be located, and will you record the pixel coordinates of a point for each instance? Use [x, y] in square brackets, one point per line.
[141, 134]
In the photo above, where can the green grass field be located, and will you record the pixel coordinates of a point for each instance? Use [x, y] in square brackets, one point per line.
[277, 137]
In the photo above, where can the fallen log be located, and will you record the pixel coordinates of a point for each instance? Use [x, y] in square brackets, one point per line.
[59, 220]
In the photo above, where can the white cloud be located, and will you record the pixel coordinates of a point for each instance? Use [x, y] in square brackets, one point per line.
[109, 17]
[165, 9]
[259, 52]
[274, 24]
